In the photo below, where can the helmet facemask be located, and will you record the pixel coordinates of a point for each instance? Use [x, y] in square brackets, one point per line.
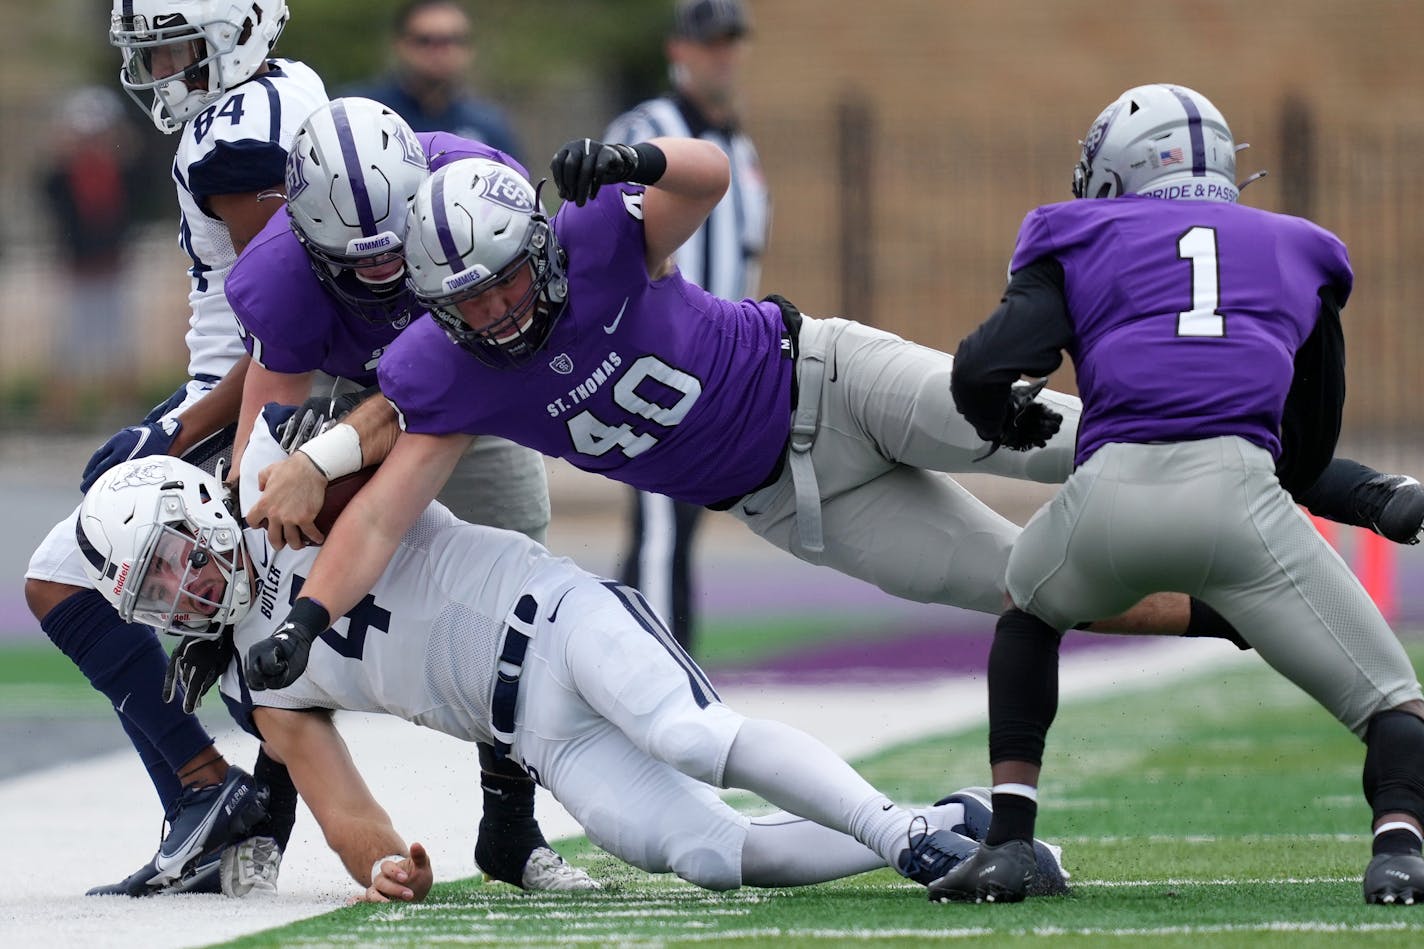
[170, 587]
[385, 302]
[516, 338]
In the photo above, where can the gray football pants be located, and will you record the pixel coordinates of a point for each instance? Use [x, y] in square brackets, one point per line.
[886, 435]
[496, 483]
[1209, 518]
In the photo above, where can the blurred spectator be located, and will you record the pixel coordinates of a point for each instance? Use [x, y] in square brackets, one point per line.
[706, 49]
[89, 187]
[433, 47]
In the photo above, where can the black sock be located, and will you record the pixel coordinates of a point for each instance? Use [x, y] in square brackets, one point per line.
[1014, 817]
[1023, 687]
[1205, 622]
[1397, 841]
[281, 805]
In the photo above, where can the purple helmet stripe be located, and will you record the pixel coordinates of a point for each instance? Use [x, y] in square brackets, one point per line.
[128, 10]
[453, 260]
[1194, 129]
[364, 214]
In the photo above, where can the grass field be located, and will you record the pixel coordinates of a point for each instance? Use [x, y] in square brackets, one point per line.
[1227, 813]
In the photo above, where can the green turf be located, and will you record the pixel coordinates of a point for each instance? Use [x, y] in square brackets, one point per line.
[1224, 812]
[722, 643]
[40, 680]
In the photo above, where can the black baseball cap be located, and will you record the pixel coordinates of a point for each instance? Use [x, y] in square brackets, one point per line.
[703, 21]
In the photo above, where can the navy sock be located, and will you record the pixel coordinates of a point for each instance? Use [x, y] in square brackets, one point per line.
[127, 664]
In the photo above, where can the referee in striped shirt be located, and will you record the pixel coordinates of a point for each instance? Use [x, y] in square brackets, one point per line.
[705, 51]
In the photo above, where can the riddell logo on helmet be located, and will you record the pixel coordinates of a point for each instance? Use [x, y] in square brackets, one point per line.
[123, 577]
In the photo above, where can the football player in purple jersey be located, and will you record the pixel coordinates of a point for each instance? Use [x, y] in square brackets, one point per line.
[579, 338]
[320, 293]
[1212, 379]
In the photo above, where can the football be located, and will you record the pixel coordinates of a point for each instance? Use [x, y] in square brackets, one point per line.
[339, 494]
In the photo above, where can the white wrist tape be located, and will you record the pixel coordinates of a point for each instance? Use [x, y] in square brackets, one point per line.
[376, 867]
[335, 452]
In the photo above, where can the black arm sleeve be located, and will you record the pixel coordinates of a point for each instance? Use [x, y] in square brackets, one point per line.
[1310, 426]
[1026, 335]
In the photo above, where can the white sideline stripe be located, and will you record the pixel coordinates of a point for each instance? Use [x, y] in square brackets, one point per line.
[967, 932]
[70, 823]
[1188, 881]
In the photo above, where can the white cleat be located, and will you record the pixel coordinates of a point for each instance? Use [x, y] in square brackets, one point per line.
[545, 871]
[249, 868]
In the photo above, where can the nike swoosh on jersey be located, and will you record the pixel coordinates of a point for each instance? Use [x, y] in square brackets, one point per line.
[617, 319]
[554, 613]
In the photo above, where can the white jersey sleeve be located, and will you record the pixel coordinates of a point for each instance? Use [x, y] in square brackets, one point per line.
[236, 145]
[423, 644]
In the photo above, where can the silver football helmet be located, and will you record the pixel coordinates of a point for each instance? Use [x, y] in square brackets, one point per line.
[184, 54]
[1160, 140]
[473, 225]
[161, 544]
[352, 172]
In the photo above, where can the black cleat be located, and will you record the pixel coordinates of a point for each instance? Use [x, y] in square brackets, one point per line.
[978, 803]
[1001, 874]
[1395, 878]
[1393, 506]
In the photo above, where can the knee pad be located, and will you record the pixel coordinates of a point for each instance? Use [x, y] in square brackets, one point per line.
[696, 744]
[708, 869]
[1394, 764]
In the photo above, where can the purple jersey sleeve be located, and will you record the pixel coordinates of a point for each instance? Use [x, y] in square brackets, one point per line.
[654, 383]
[1186, 315]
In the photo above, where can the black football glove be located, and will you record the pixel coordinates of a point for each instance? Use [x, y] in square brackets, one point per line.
[136, 441]
[197, 664]
[315, 416]
[583, 165]
[1030, 426]
[280, 659]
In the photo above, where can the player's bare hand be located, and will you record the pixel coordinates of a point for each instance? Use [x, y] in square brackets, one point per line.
[292, 495]
[408, 880]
